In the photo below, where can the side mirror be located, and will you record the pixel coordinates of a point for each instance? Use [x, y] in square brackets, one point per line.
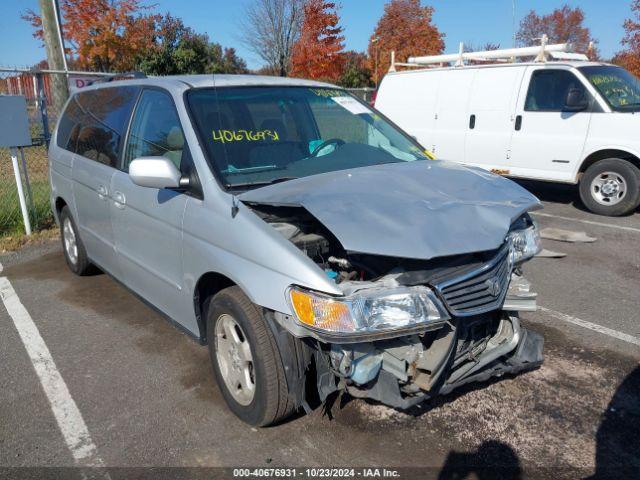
[155, 172]
[576, 100]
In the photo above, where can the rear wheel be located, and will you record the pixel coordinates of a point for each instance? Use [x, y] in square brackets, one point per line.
[74, 252]
[246, 359]
[611, 187]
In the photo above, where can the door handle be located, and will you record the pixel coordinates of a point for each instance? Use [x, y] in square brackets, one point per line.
[102, 192]
[119, 200]
[472, 122]
[518, 125]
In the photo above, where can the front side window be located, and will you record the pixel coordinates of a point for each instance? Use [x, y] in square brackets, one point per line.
[258, 135]
[548, 90]
[620, 88]
[155, 130]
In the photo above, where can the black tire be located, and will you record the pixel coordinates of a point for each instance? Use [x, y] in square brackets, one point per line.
[81, 264]
[622, 168]
[271, 401]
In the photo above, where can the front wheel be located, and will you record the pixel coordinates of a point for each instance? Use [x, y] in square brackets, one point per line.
[611, 187]
[246, 359]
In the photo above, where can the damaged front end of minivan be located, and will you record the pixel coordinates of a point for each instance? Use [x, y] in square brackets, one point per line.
[407, 328]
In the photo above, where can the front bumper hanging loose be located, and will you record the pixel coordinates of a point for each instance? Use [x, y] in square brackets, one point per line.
[403, 384]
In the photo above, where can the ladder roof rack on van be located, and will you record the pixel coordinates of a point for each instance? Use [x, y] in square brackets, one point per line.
[541, 53]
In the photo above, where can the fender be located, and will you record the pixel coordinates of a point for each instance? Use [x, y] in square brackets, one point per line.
[588, 154]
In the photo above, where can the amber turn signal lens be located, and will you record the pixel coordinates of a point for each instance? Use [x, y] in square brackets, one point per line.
[303, 305]
[321, 312]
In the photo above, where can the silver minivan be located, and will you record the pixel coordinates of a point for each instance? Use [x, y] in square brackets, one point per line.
[311, 244]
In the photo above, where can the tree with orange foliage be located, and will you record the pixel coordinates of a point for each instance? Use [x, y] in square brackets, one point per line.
[629, 58]
[405, 27]
[563, 25]
[103, 35]
[318, 53]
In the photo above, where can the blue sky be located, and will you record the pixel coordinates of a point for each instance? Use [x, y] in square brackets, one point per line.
[476, 21]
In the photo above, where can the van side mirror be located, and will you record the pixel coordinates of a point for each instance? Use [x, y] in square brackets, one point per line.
[576, 100]
[155, 172]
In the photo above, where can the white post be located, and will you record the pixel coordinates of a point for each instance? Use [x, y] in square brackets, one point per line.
[25, 172]
[23, 203]
[460, 61]
[392, 68]
[35, 91]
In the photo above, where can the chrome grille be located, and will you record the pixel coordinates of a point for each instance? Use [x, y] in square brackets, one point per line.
[481, 290]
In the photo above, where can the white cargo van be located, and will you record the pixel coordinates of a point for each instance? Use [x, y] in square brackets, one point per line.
[563, 121]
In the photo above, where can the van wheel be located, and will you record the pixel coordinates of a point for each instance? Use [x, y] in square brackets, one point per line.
[246, 359]
[72, 246]
[611, 187]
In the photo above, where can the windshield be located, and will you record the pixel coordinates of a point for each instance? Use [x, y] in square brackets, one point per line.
[620, 88]
[260, 135]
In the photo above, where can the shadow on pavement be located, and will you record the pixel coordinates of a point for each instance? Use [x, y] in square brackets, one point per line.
[492, 459]
[617, 443]
[554, 192]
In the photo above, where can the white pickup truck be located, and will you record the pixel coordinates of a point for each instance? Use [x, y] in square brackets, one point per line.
[574, 122]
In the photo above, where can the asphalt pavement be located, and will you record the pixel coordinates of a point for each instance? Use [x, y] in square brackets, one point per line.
[146, 397]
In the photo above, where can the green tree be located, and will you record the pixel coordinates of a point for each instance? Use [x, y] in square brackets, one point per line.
[356, 73]
[177, 49]
[224, 60]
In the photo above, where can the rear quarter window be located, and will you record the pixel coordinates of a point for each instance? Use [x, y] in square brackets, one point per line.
[95, 121]
[68, 126]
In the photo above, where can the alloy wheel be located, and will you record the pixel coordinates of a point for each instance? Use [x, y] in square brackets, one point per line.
[235, 361]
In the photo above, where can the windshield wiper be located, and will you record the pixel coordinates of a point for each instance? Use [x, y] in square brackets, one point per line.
[259, 182]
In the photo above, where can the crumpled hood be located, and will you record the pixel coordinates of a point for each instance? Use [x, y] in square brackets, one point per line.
[421, 209]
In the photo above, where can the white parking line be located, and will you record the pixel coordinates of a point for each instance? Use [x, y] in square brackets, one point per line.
[70, 421]
[591, 326]
[588, 222]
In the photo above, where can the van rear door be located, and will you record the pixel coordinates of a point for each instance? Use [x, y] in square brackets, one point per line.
[98, 133]
[409, 99]
[493, 99]
[547, 140]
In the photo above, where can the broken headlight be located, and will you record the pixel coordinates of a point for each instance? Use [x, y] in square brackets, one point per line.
[524, 243]
[367, 312]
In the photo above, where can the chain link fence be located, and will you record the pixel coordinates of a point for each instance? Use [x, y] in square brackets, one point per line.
[34, 173]
[33, 169]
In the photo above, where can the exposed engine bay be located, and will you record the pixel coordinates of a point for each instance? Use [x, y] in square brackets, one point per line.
[305, 232]
[483, 293]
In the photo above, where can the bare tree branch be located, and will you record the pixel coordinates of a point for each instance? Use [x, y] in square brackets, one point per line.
[270, 28]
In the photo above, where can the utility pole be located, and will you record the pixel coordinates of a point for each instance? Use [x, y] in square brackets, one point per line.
[55, 54]
[375, 73]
